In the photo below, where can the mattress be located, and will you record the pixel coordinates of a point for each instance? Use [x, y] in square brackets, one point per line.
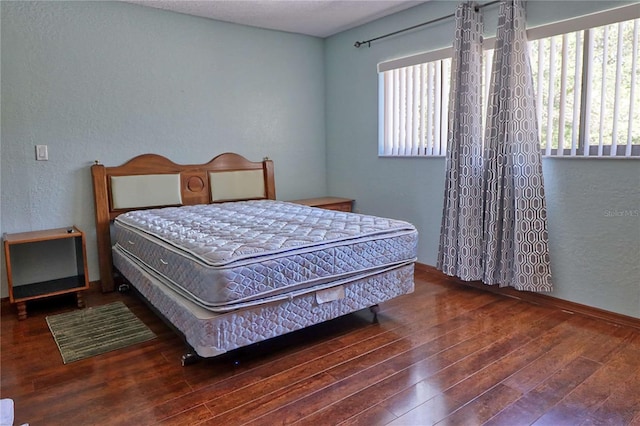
[231, 255]
[211, 334]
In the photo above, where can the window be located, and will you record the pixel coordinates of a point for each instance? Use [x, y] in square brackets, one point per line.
[415, 109]
[585, 81]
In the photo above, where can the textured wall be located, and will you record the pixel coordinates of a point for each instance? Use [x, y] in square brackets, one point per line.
[109, 80]
[594, 231]
[595, 256]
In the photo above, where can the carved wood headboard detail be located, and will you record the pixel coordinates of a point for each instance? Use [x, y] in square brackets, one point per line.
[195, 187]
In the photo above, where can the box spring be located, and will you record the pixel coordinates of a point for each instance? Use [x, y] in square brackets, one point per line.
[211, 334]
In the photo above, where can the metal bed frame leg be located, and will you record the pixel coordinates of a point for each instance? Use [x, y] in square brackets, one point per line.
[374, 310]
[124, 286]
[191, 357]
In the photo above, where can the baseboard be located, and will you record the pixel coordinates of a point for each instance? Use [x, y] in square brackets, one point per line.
[539, 299]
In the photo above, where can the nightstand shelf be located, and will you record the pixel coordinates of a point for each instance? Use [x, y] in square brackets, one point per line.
[19, 244]
[329, 203]
[46, 288]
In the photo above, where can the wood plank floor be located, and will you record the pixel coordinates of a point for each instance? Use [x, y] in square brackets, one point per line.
[447, 354]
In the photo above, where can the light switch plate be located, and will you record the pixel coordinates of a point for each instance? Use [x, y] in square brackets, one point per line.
[42, 153]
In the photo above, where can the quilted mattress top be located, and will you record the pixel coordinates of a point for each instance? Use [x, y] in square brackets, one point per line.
[229, 234]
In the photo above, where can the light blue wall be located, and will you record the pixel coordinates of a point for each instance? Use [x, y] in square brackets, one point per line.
[595, 254]
[110, 80]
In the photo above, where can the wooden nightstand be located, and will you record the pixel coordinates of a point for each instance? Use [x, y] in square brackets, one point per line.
[329, 203]
[42, 243]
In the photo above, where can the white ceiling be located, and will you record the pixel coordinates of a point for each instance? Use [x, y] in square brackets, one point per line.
[320, 18]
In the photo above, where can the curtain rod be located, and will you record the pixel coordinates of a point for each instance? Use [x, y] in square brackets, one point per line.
[357, 44]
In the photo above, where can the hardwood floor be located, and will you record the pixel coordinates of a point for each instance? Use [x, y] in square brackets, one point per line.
[446, 354]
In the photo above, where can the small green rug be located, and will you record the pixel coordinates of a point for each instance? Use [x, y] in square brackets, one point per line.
[93, 331]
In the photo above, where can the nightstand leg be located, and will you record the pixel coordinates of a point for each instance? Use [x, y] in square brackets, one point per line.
[79, 299]
[22, 311]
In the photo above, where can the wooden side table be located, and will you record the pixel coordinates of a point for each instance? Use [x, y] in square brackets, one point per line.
[20, 293]
[329, 203]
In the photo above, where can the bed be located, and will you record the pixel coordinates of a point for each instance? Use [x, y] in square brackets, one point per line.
[213, 252]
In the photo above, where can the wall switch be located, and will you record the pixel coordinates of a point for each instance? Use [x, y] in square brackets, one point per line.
[42, 153]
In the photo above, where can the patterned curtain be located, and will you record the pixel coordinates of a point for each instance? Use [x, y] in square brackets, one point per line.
[460, 252]
[515, 247]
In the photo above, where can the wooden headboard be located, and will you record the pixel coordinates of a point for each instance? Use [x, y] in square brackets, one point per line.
[222, 179]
